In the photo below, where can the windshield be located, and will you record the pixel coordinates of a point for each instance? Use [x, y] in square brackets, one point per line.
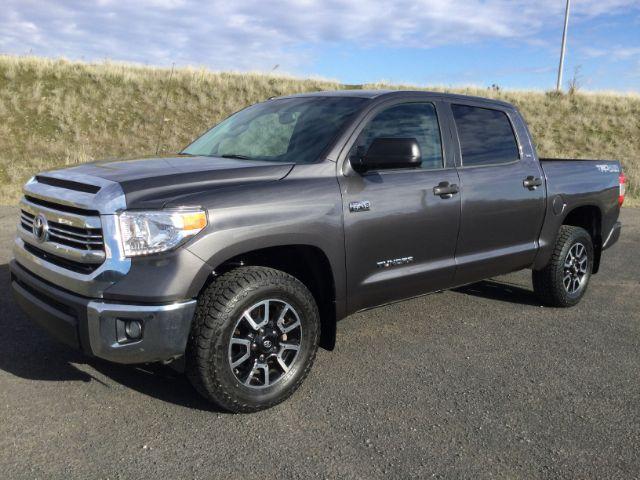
[290, 130]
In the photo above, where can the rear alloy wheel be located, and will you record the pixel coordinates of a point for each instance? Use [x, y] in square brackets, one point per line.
[564, 280]
[576, 269]
[254, 339]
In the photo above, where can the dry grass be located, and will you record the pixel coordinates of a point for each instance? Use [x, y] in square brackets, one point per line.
[55, 113]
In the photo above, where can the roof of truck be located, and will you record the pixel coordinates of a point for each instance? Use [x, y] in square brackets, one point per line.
[396, 93]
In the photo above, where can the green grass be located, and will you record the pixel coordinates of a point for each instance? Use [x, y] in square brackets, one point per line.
[55, 113]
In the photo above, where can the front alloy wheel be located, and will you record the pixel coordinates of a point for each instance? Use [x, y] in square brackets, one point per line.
[254, 339]
[265, 343]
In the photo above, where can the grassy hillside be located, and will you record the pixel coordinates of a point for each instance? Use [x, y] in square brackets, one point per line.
[55, 113]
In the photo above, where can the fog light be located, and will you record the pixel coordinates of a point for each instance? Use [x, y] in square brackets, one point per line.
[133, 329]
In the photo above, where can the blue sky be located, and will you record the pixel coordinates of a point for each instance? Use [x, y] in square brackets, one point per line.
[511, 43]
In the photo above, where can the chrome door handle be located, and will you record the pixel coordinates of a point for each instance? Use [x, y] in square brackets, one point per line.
[532, 182]
[445, 189]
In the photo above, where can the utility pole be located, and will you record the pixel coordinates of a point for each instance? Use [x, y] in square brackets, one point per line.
[564, 46]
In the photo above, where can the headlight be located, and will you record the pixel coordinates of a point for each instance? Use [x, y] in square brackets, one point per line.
[147, 232]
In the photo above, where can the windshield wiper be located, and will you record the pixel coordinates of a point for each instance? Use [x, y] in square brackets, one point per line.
[233, 155]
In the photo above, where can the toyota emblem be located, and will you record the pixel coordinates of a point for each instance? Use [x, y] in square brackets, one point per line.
[40, 228]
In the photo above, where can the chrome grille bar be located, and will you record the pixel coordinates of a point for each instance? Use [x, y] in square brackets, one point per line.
[61, 250]
[57, 216]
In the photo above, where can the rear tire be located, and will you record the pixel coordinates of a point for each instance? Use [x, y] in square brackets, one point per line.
[254, 339]
[564, 280]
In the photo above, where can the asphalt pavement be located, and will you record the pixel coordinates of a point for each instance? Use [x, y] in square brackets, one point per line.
[480, 382]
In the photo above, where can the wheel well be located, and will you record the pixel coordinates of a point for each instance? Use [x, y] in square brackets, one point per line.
[309, 265]
[588, 217]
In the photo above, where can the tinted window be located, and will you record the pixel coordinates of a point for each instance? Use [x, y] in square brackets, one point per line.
[486, 136]
[410, 120]
[290, 130]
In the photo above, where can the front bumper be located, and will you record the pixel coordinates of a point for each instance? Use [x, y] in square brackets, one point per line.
[96, 327]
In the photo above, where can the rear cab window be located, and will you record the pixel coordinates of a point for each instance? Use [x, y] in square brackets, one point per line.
[486, 136]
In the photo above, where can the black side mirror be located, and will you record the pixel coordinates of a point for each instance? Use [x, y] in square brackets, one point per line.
[385, 153]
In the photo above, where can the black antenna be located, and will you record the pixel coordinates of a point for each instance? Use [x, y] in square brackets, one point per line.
[164, 110]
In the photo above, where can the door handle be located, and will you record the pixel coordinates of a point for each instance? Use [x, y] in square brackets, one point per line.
[445, 189]
[532, 182]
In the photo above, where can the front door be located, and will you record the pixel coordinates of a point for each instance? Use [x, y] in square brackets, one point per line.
[400, 234]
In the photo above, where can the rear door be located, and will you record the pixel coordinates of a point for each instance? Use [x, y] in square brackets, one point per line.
[400, 236]
[502, 192]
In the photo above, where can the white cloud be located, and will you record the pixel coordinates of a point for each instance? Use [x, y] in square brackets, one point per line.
[257, 34]
[617, 52]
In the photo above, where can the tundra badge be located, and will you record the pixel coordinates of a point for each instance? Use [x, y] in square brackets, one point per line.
[394, 262]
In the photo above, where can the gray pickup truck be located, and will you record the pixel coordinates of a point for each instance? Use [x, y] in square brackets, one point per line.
[237, 256]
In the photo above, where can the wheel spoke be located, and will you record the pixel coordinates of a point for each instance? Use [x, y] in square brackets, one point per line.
[247, 344]
[265, 319]
[265, 368]
[249, 318]
[241, 341]
[288, 328]
[247, 380]
[281, 362]
[289, 346]
[567, 280]
[286, 307]
[280, 322]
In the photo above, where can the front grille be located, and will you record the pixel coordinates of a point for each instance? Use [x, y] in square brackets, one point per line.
[82, 238]
[74, 238]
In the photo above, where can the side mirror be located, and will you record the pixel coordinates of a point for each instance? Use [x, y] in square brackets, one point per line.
[386, 153]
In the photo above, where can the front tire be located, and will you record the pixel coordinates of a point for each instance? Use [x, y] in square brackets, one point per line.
[254, 339]
[564, 280]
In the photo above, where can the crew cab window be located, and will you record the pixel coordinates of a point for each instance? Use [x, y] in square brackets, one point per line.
[409, 120]
[486, 136]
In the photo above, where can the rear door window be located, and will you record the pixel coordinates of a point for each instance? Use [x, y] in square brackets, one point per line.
[486, 136]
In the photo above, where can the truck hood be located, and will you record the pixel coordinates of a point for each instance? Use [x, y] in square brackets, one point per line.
[158, 181]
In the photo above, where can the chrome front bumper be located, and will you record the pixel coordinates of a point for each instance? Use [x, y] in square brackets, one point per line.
[95, 326]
